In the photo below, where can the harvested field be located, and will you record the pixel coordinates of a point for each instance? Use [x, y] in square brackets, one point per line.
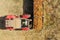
[45, 34]
[18, 35]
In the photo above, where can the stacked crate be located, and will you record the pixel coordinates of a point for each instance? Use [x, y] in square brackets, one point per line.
[15, 23]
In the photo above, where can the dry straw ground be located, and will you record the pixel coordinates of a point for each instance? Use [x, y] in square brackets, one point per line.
[51, 33]
[19, 35]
